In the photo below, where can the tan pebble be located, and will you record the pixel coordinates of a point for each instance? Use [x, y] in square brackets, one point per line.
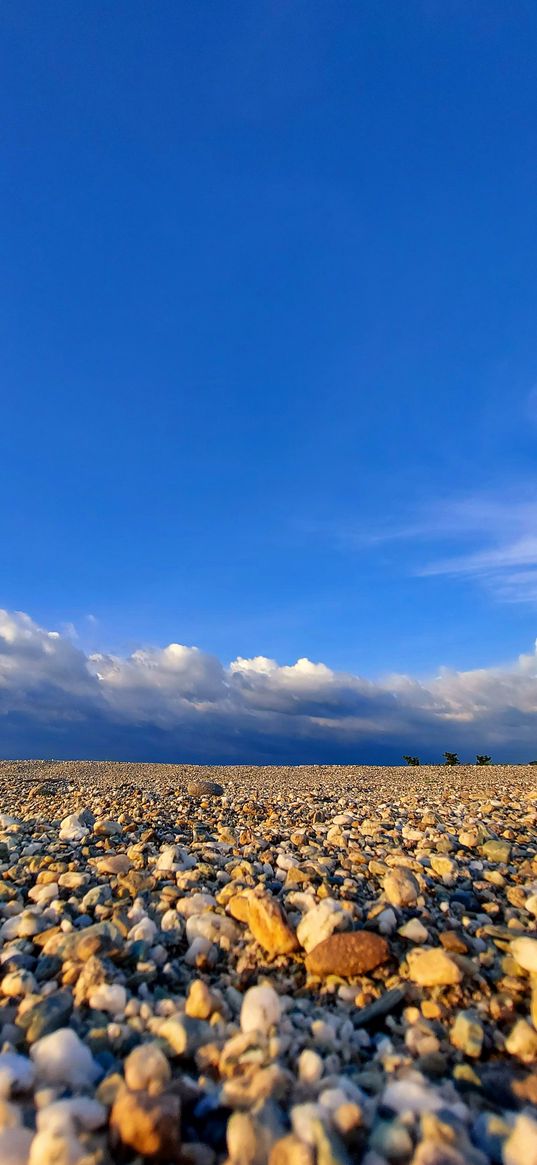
[200, 1002]
[147, 1124]
[348, 953]
[269, 925]
[290, 1150]
[146, 1068]
[433, 967]
[114, 864]
[238, 907]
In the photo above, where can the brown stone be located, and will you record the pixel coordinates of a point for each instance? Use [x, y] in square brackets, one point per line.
[147, 1124]
[269, 925]
[347, 954]
[451, 941]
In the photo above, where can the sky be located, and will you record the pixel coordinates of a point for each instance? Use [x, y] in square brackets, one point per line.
[269, 379]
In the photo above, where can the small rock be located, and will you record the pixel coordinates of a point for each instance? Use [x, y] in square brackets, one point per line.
[61, 1058]
[147, 1124]
[204, 789]
[433, 967]
[261, 1010]
[348, 954]
[522, 1042]
[147, 1069]
[400, 887]
[496, 851]
[467, 1034]
[520, 1148]
[524, 951]
[269, 925]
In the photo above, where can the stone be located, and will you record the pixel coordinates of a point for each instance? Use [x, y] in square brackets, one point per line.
[150, 1125]
[17, 1073]
[72, 829]
[290, 1150]
[62, 1059]
[400, 887]
[113, 864]
[447, 868]
[261, 1010]
[204, 789]
[111, 997]
[467, 1034]
[520, 1148]
[15, 1146]
[348, 954]
[147, 1069]
[269, 925]
[524, 951]
[310, 1066]
[496, 851]
[414, 931]
[185, 1035]
[433, 967]
[522, 1042]
[320, 922]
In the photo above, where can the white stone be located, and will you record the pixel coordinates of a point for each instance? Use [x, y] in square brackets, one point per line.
[386, 921]
[143, 931]
[213, 927]
[531, 904]
[524, 951]
[15, 1146]
[414, 931]
[72, 828]
[321, 922]
[17, 1073]
[68, 1116]
[166, 857]
[195, 904]
[41, 894]
[200, 948]
[111, 997]
[62, 1058]
[310, 1066]
[261, 1009]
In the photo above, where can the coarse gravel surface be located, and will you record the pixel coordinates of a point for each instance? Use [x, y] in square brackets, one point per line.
[259, 965]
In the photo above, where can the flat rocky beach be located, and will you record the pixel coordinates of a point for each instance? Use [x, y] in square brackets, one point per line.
[267, 966]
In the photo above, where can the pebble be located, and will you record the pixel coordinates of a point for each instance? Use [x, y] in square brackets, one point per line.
[348, 954]
[62, 1058]
[433, 967]
[400, 887]
[467, 1034]
[150, 1125]
[261, 1010]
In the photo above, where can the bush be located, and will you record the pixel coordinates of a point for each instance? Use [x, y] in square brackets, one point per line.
[451, 758]
[482, 760]
[412, 760]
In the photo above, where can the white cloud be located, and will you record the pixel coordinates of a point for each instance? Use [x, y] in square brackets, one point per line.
[181, 703]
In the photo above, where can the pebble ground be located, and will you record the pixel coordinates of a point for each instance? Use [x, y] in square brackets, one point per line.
[313, 965]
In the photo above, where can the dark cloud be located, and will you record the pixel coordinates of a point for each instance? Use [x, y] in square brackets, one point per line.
[180, 704]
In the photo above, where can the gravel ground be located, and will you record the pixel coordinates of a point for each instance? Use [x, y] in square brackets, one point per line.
[314, 965]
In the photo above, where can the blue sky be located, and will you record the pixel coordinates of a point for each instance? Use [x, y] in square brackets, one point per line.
[268, 335]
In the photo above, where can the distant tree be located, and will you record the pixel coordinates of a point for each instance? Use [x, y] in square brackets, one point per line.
[412, 760]
[451, 758]
[482, 760]
[532, 762]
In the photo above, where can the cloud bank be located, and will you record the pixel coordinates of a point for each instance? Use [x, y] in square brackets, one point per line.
[178, 703]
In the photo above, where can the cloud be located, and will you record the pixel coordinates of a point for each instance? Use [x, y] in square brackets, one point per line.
[483, 538]
[180, 703]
